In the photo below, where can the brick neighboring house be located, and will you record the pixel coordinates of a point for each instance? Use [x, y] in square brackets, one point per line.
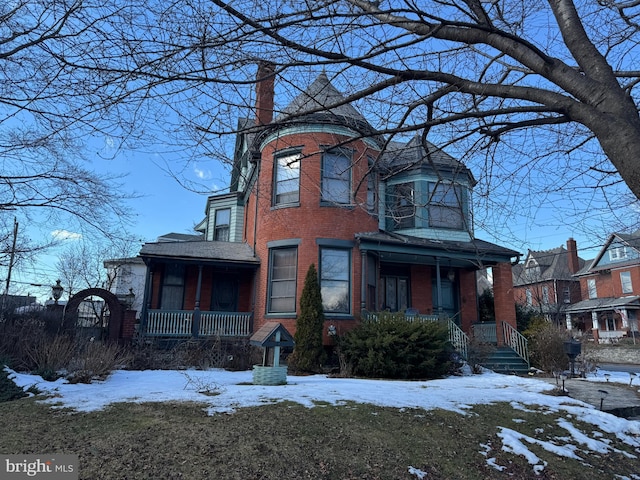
[545, 283]
[314, 186]
[610, 287]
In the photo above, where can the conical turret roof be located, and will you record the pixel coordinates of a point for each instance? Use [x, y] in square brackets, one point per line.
[321, 102]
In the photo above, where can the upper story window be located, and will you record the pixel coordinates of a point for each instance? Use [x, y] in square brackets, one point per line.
[567, 294]
[283, 268]
[625, 280]
[445, 206]
[336, 177]
[402, 205]
[286, 188]
[335, 279]
[529, 297]
[545, 295]
[222, 223]
[591, 287]
[617, 253]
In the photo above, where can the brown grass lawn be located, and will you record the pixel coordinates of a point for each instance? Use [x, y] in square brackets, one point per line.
[289, 441]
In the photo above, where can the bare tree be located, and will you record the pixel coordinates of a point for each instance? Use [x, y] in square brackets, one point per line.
[535, 96]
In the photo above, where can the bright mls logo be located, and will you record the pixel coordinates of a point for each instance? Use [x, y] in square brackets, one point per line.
[51, 467]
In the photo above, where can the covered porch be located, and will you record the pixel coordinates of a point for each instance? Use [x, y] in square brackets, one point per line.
[198, 289]
[607, 319]
[435, 280]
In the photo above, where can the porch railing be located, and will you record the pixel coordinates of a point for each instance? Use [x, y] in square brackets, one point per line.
[179, 323]
[515, 340]
[485, 332]
[457, 337]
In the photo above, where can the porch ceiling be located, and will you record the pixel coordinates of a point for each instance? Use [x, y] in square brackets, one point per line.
[424, 251]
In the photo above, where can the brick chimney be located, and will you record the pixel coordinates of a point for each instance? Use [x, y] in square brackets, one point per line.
[265, 81]
[572, 250]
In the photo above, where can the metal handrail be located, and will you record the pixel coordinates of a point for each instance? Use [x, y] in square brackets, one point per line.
[515, 340]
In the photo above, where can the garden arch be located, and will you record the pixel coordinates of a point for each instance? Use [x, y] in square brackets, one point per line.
[116, 309]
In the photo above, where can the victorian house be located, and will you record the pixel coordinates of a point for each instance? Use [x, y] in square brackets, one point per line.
[610, 286]
[545, 283]
[387, 224]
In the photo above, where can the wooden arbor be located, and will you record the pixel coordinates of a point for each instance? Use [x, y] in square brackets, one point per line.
[274, 336]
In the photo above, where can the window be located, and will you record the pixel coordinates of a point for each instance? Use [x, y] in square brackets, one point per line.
[221, 228]
[287, 179]
[445, 206]
[545, 295]
[172, 293]
[283, 267]
[402, 205]
[529, 297]
[625, 280]
[617, 253]
[335, 280]
[336, 177]
[567, 294]
[591, 287]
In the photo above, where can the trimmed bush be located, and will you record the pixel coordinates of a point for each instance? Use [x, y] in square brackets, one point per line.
[395, 348]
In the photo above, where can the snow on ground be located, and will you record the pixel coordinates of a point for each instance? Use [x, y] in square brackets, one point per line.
[224, 392]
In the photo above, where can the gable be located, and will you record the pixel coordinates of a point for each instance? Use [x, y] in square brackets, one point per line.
[617, 251]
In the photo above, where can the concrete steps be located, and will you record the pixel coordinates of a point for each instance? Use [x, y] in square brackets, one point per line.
[506, 360]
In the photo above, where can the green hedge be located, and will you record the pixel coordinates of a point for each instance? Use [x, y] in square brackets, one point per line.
[395, 348]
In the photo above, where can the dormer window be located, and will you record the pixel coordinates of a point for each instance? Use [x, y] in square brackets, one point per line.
[222, 223]
[445, 206]
[617, 253]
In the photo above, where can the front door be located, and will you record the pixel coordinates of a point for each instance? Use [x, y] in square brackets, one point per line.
[224, 294]
[449, 296]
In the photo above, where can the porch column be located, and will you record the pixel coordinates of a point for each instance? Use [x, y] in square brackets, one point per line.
[146, 300]
[195, 323]
[363, 279]
[505, 306]
[569, 323]
[595, 327]
[438, 288]
[625, 318]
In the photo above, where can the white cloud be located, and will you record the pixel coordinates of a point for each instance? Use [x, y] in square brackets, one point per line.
[65, 235]
[202, 174]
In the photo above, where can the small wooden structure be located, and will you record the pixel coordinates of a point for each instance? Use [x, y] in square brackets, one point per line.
[274, 336]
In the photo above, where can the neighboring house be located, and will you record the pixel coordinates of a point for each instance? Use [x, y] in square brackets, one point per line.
[545, 281]
[610, 287]
[127, 275]
[389, 227]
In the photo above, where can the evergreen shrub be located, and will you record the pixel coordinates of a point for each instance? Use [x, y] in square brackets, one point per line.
[8, 389]
[392, 347]
[309, 354]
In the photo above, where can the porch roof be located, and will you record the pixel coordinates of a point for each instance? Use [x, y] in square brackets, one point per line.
[600, 304]
[209, 252]
[394, 247]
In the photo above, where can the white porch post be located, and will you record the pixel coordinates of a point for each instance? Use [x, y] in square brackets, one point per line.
[595, 327]
[625, 318]
[569, 323]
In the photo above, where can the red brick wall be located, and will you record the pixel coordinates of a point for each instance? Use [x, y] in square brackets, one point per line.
[503, 294]
[308, 221]
[421, 289]
[468, 299]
